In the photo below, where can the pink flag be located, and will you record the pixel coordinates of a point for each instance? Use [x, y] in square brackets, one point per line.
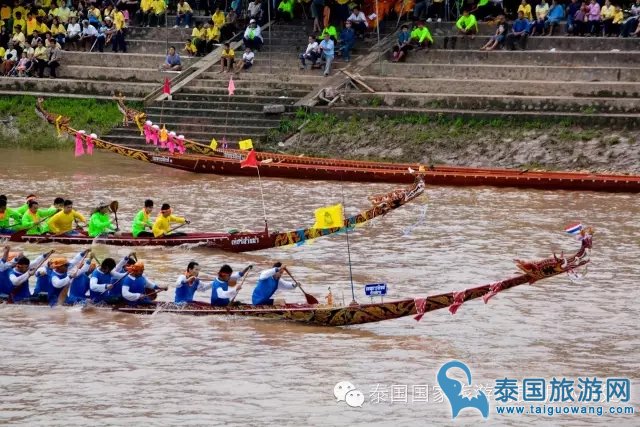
[232, 86]
[458, 299]
[79, 144]
[421, 308]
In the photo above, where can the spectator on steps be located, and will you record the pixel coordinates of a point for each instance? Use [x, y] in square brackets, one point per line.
[19, 40]
[157, 17]
[606, 15]
[436, 11]
[327, 47]
[254, 11]
[190, 48]
[213, 36]
[556, 14]
[199, 39]
[421, 36]
[247, 61]
[119, 22]
[55, 56]
[311, 53]
[616, 25]
[519, 32]
[285, 11]
[401, 49]
[73, 32]
[143, 15]
[631, 23]
[331, 30]
[317, 10]
[105, 34]
[359, 21]
[497, 40]
[227, 58]
[88, 36]
[252, 36]
[572, 8]
[580, 20]
[537, 26]
[347, 41]
[57, 31]
[24, 66]
[184, 13]
[10, 59]
[229, 28]
[542, 10]
[466, 26]
[525, 8]
[218, 18]
[41, 56]
[593, 15]
[172, 61]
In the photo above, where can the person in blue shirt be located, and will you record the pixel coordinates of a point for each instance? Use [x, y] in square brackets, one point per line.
[187, 284]
[556, 14]
[519, 32]
[224, 287]
[347, 40]
[269, 282]
[400, 50]
[328, 52]
[135, 283]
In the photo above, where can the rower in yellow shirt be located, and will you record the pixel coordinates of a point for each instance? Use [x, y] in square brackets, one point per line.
[162, 226]
[62, 222]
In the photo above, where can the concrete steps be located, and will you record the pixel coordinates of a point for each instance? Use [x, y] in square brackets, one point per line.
[118, 60]
[506, 103]
[173, 116]
[560, 43]
[501, 72]
[505, 87]
[77, 87]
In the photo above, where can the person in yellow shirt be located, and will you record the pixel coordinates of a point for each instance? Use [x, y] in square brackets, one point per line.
[158, 7]
[606, 15]
[190, 48]
[525, 8]
[616, 25]
[119, 43]
[218, 18]
[162, 226]
[19, 9]
[58, 32]
[62, 222]
[184, 14]
[19, 22]
[42, 27]
[6, 17]
[227, 58]
[143, 15]
[199, 39]
[212, 36]
[32, 24]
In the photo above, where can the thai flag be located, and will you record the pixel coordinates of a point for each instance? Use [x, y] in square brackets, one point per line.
[573, 229]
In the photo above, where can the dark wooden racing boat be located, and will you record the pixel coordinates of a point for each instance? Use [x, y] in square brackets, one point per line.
[532, 271]
[241, 241]
[291, 166]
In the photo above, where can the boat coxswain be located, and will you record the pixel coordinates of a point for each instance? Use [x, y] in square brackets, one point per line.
[134, 285]
[100, 222]
[162, 226]
[105, 277]
[62, 222]
[221, 295]
[57, 272]
[187, 284]
[142, 221]
[21, 273]
[269, 282]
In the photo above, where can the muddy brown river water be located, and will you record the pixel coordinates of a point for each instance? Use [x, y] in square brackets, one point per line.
[73, 367]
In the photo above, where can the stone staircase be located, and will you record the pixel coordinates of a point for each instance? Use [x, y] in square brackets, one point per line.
[202, 109]
[588, 80]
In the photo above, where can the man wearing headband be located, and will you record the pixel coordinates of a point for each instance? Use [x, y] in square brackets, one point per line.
[221, 295]
[269, 282]
[100, 222]
[134, 285]
[142, 221]
[162, 226]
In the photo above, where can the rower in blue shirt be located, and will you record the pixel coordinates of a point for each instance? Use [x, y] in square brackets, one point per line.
[6, 265]
[269, 282]
[20, 275]
[187, 284]
[105, 277]
[134, 285]
[221, 295]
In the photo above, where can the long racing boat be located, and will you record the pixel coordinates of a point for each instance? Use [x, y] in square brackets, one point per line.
[353, 314]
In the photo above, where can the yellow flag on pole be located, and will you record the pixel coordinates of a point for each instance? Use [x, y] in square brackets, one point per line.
[245, 144]
[329, 217]
[214, 144]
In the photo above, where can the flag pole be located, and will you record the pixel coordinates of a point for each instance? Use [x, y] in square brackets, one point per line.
[353, 293]
[264, 209]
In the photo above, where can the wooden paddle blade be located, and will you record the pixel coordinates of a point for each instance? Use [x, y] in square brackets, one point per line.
[151, 294]
[310, 299]
[113, 206]
[63, 295]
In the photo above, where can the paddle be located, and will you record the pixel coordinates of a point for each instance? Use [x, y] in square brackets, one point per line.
[33, 271]
[64, 293]
[35, 224]
[152, 295]
[113, 207]
[310, 298]
[173, 229]
[241, 283]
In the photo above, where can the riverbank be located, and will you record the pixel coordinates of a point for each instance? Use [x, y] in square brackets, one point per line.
[20, 126]
[505, 143]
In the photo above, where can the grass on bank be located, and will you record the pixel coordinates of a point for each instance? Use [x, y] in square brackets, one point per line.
[20, 127]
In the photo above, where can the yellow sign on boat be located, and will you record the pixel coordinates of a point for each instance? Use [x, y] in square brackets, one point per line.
[245, 144]
[329, 217]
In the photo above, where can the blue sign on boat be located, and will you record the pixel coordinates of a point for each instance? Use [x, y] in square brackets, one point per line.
[375, 289]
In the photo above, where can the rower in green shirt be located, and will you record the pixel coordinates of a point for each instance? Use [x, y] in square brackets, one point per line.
[33, 219]
[22, 209]
[142, 221]
[100, 221]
